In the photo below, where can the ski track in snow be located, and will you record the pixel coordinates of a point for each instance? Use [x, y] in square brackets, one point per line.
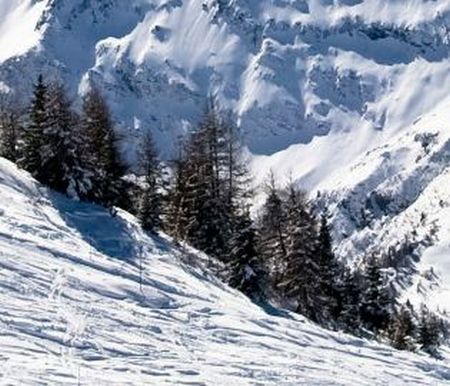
[73, 311]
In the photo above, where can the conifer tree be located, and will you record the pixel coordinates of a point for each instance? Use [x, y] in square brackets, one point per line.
[402, 329]
[10, 130]
[151, 199]
[62, 148]
[376, 302]
[272, 235]
[177, 210]
[301, 271]
[215, 214]
[103, 156]
[236, 174]
[429, 331]
[202, 210]
[201, 197]
[245, 269]
[33, 134]
[328, 274]
[349, 301]
[53, 149]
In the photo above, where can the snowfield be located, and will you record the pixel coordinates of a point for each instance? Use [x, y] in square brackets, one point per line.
[74, 311]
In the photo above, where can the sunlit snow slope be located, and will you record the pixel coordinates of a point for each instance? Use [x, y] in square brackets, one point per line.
[350, 97]
[73, 311]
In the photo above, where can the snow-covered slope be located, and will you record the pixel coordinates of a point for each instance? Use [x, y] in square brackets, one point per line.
[343, 94]
[73, 311]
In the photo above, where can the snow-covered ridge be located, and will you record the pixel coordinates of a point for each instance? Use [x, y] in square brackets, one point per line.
[75, 311]
[288, 70]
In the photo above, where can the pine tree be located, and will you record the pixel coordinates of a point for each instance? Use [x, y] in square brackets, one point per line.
[103, 157]
[237, 178]
[32, 139]
[151, 200]
[214, 216]
[201, 197]
[177, 210]
[199, 200]
[62, 148]
[377, 302]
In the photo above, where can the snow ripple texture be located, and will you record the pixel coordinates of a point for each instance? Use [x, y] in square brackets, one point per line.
[76, 311]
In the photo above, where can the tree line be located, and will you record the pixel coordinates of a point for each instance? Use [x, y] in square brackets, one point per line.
[283, 255]
[73, 153]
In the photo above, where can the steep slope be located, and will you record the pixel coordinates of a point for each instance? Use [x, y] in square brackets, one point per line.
[74, 311]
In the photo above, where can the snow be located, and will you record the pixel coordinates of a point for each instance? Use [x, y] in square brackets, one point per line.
[74, 311]
[331, 93]
[16, 38]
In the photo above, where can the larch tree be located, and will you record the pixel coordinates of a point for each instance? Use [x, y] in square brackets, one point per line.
[272, 235]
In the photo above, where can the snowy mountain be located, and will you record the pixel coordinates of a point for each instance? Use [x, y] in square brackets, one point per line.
[288, 71]
[75, 311]
[348, 96]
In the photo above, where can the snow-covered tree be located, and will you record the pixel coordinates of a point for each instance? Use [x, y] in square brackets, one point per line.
[63, 147]
[377, 301]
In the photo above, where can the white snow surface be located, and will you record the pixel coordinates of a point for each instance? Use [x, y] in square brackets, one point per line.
[73, 311]
[350, 97]
[17, 27]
